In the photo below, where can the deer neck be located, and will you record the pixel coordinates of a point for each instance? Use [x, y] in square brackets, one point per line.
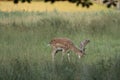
[77, 51]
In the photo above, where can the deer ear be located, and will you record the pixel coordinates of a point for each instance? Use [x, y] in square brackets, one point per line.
[87, 40]
[81, 44]
[84, 43]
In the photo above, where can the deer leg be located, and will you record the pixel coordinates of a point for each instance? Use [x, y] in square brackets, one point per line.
[63, 53]
[68, 57]
[53, 54]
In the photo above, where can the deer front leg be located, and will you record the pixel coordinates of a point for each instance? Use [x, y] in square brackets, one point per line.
[63, 53]
[53, 55]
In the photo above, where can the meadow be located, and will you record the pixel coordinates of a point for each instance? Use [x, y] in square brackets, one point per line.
[24, 54]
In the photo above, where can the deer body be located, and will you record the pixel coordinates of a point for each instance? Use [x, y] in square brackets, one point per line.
[65, 45]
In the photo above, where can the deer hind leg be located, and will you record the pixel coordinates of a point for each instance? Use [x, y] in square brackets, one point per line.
[68, 57]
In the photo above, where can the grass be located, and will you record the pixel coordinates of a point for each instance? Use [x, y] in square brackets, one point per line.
[24, 54]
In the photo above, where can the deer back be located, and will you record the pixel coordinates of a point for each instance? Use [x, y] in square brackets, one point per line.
[62, 42]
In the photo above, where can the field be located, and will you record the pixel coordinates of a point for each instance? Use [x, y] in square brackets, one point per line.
[24, 54]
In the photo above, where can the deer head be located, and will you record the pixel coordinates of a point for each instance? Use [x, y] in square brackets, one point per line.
[83, 45]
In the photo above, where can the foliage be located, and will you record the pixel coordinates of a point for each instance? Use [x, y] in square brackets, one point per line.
[84, 3]
[42, 6]
[110, 3]
[16, 1]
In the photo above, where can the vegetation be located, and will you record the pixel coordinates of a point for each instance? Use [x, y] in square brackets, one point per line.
[24, 54]
[41, 6]
[84, 3]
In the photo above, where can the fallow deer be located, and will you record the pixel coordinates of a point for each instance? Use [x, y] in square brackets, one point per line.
[65, 45]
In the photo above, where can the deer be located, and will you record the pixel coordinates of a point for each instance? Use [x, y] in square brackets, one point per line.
[65, 45]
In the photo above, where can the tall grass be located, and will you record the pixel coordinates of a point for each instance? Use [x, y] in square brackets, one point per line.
[24, 54]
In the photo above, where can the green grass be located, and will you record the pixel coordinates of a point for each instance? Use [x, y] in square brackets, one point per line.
[24, 54]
